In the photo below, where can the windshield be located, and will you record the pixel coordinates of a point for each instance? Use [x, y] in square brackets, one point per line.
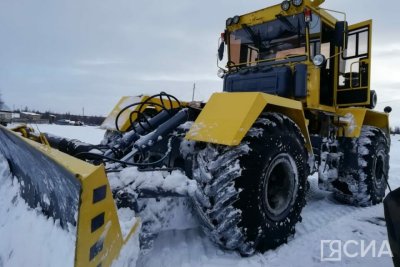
[277, 39]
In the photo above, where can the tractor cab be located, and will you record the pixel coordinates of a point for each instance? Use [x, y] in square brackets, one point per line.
[298, 50]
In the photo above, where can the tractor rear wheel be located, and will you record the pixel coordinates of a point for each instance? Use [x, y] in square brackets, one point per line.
[365, 183]
[251, 195]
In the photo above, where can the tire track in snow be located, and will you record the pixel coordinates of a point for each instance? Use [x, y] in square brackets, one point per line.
[323, 218]
[320, 210]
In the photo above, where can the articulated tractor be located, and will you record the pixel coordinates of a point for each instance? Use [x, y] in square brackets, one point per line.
[296, 101]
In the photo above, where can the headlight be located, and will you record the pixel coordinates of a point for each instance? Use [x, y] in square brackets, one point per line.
[297, 3]
[319, 60]
[235, 19]
[221, 73]
[229, 22]
[285, 5]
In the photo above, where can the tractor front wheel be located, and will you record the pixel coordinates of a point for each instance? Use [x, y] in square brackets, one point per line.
[251, 195]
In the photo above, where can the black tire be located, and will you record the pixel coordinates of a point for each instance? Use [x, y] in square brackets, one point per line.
[364, 183]
[239, 202]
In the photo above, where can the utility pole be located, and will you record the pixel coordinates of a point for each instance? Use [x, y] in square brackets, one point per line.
[194, 90]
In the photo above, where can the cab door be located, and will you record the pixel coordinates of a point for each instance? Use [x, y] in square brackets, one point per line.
[354, 68]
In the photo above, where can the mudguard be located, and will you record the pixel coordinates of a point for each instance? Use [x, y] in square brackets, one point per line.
[227, 117]
[69, 190]
[358, 117]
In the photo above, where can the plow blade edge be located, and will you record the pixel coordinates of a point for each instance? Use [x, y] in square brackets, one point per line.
[72, 192]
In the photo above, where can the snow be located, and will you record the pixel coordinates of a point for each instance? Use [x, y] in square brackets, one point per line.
[323, 219]
[88, 134]
[127, 219]
[175, 182]
[28, 238]
[30, 113]
[349, 120]
[129, 253]
[187, 146]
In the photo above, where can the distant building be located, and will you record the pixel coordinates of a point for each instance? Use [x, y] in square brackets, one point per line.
[16, 115]
[63, 122]
[69, 122]
[5, 114]
[30, 116]
[52, 119]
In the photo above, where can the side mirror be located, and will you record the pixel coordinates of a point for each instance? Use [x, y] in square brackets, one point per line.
[341, 34]
[221, 50]
[388, 109]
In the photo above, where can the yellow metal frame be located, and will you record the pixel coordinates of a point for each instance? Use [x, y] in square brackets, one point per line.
[269, 13]
[313, 98]
[363, 24]
[361, 117]
[227, 117]
[105, 243]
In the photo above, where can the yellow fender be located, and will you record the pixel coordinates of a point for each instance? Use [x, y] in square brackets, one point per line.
[227, 117]
[356, 118]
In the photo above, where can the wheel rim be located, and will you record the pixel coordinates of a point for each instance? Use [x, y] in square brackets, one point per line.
[379, 170]
[280, 186]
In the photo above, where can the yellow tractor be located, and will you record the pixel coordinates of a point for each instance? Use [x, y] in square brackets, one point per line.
[296, 100]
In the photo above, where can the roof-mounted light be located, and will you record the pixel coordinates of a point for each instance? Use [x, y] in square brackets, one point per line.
[285, 5]
[235, 19]
[297, 3]
[229, 22]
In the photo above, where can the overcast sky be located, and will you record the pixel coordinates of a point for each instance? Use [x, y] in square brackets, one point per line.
[62, 55]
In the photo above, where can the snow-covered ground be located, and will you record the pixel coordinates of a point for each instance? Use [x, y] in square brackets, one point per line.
[323, 219]
[90, 134]
[27, 237]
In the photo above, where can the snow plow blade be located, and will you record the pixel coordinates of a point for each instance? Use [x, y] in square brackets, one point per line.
[74, 193]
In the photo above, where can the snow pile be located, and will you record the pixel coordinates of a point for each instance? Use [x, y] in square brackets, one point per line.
[27, 237]
[134, 181]
[89, 134]
[131, 249]
[157, 214]
[129, 253]
[127, 219]
[350, 121]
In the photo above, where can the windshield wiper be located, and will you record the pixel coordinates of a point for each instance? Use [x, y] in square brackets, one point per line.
[256, 38]
[287, 23]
